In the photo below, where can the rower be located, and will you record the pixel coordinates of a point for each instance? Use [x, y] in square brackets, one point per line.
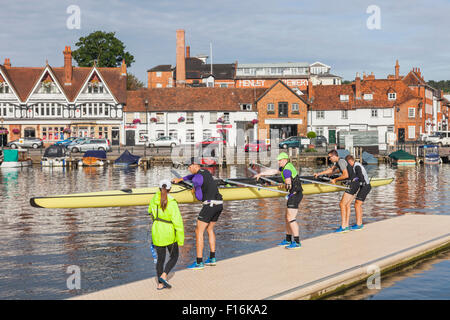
[294, 186]
[206, 190]
[340, 165]
[360, 184]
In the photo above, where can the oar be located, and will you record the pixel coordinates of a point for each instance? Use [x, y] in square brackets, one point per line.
[313, 181]
[264, 178]
[176, 174]
[253, 186]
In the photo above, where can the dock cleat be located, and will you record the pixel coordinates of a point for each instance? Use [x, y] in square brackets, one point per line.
[294, 245]
[196, 266]
[284, 243]
[342, 230]
[210, 262]
[356, 227]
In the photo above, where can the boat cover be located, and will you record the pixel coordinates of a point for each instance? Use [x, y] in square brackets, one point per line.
[55, 151]
[401, 155]
[99, 154]
[127, 158]
[368, 158]
[10, 155]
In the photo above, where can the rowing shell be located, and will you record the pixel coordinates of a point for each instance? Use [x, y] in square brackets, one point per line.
[142, 196]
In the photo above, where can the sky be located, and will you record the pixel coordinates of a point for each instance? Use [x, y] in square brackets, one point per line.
[347, 35]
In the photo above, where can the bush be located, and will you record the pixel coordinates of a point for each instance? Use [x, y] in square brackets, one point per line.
[310, 150]
[311, 135]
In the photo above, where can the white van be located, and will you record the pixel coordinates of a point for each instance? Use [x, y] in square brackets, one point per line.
[441, 138]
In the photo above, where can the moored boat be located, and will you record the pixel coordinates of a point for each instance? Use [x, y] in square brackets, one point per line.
[15, 158]
[127, 159]
[402, 158]
[181, 193]
[429, 154]
[54, 156]
[93, 158]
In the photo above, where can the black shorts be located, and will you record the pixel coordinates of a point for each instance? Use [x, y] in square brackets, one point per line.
[210, 214]
[354, 187]
[363, 192]
[294, 200]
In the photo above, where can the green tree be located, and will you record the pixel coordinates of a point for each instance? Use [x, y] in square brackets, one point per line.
[103, 47]
[133, 83]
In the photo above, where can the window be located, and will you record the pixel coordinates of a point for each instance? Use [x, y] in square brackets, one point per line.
[390, 129]
[320, 114]
[159, 134]
[224, 85]
[206, 134]
[344, 114]
[160, 117]
[226, 117]
[319, 131]
[173, 134]
[246, 106]
[270, 108]
[4, 87]
[190, 117]
[190, 136]
[374, 113]
[295, 108]
[411, 112]
[212, 117]
[368, 96]
[282, 109]
[344, 97]
[387, 113]
[420, 112]
[158, 74]
[159, 85]
[411, 132]
[392, 96]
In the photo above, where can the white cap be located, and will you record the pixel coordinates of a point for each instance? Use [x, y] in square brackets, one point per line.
[166, 182]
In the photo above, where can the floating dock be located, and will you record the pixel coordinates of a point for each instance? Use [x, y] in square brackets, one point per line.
[323, 266]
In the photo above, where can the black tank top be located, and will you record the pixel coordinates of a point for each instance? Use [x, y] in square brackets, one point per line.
[209, 186]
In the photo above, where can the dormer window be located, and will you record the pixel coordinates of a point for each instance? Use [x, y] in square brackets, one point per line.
[95, 87]
[392, 96]
[48, 86]
[344, 97]
[368, 96]
[246, 107]
[4, 88]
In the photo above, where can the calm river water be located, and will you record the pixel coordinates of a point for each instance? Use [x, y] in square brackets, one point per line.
[111, 245]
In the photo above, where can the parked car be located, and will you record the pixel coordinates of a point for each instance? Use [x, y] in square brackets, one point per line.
[319, 141]
[212, 140]
[91, 144]
[294, 142]
[76, 141]
[440, 138]
[65, 142]
[256, 146]
[26, 143]
[163, 142]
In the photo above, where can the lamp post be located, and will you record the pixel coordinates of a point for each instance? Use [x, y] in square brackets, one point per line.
[1, 126]
[146, 117]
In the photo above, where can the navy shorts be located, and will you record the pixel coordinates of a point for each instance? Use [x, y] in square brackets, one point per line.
[210, 214]
[363, 192]
[354, 187]
[294, 200]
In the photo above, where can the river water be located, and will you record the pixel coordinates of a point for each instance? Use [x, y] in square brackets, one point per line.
[110, 246]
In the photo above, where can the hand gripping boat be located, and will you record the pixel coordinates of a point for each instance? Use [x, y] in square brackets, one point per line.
[230, 190]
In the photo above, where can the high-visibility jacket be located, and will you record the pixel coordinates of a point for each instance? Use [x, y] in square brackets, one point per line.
[167, 225]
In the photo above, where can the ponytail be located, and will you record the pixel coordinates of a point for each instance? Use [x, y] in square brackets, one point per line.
[163, 202]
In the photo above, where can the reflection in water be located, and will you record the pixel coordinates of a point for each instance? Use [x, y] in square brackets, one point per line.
[111, 245]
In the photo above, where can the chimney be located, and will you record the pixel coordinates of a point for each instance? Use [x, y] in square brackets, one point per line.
[123, 68]
[188, 51]
[67, 66]
[397, 70]
[418, 72]
[7, 63]
[181, 62]
[310, 90]
[364, 75]
[358, 86]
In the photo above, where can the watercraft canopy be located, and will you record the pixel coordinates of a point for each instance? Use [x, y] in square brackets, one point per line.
[127, 158]
[401, 155]
[99, 154]
[10, 155]
[55, 151]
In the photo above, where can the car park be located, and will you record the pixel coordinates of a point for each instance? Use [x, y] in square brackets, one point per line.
[27, 142]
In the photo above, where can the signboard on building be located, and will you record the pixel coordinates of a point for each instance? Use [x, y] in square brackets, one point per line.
[262, 83]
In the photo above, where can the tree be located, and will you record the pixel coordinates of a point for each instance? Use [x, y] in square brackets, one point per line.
[133, 83]
[103, 47]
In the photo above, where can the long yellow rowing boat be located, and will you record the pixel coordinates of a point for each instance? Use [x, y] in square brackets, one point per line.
[142, 196]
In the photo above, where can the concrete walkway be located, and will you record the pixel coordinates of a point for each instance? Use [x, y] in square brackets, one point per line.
[322, 264]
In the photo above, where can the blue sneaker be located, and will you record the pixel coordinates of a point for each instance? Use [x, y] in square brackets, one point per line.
[356, 227]
[294, 245]
[210, 262]
[196, 266]
[284, 243]
[342, 230]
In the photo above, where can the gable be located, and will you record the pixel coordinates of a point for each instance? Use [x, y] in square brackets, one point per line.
[95, 86]
[278, 87]
[47, 86]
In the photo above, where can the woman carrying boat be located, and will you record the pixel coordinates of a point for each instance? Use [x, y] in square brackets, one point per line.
[167, 231]
[205, 189]
[294, 186]
[346, 174]
[360, 186]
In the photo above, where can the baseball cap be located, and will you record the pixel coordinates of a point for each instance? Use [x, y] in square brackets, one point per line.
[165, 182]
[282, 155]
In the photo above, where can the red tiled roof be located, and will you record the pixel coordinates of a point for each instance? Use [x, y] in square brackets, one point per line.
[327, 97]
[191, 99]
[414, 79]
[23, 80]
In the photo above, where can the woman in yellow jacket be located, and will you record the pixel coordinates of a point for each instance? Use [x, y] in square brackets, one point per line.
[167, 231]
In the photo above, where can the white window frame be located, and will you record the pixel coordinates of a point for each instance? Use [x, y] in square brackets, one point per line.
[392, 96]
[158, 74]
[295, 107]
[368, 96]
[344, 114]
[344, 97]
[320, 114]
[374, 113]
[189, 117]
[271, 107]
[411, 112]
[387, 113]
[411, 132]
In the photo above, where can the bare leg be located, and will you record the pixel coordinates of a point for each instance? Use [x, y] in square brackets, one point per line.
[345, 209]
[211, 236]
[199, 231]
[291, 214]
[358, 212]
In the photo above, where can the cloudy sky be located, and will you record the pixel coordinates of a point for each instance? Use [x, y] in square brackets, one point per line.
[248, 31]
